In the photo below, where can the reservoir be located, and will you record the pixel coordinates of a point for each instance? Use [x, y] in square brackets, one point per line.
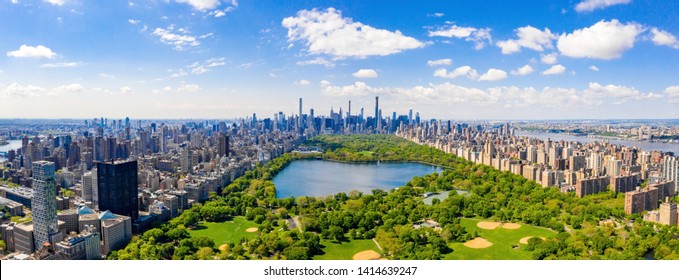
[321, 178]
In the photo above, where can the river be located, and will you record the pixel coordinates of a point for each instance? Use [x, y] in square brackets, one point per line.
[644, 145]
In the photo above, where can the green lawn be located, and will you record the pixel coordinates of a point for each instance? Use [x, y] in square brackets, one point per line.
[225, 232]
[502, 239]
[345, 250]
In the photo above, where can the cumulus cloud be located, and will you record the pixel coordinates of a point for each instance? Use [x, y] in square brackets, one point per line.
[302, 83]
[327, 32]
[555, 70]
[177, 41]
[201, 5]
[548, 58]
[56, 2]
[466, 71]
[523, 70]
[61, 65]
[65, 89]
[189, 88]
[603, 40]
[365, 73]
[591, 5]
[493, 75]
[594, 68]
[26, 51]
[125, 89]
[435, 15]
[664, 38]
[444, 61]
[17, 90]
[479, 36]
[528, 37]
[504, 96]
[672, 93]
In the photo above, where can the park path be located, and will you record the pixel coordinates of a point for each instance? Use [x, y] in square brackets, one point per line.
[378, 244]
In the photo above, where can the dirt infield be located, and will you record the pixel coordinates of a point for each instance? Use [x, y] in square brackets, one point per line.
[525, 239]
[488, 225]
[252, 229]
[367, 255]
[478, 243]
[510, 226]
[223, 247]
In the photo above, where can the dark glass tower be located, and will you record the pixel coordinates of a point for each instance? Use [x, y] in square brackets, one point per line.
[117, 185]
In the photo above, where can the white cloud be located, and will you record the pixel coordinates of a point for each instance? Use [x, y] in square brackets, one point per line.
[17, 90]
[56, 2]
[594, 68]
[555, 70]
[107, 76]
[317, 61]
[529, 37]
[189, 88]
[479, 36]
[672, 93]
[466, 70]
[61, 65]
[125, 89]
[221, 13]
[365, 73]
[302, 83]
[620, 94]
[548, 58]
[435, 15]
[179, 42]
[523, 70]
[201, 5]
[603, 40]
[591, 5]
[493, 75]
[200, 68]
[15, 1]
[444, 61]
[664, 38]
[327, 32]
[133, 21]
[65, 89]
[39, 51]
[356, 89]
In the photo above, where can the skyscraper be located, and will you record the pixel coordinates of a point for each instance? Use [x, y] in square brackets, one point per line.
[223, 145]
[377, 105]
[117, 188]
[44, 204]
[299, 117]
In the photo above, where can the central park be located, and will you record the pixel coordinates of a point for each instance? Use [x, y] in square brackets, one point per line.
[476, 212]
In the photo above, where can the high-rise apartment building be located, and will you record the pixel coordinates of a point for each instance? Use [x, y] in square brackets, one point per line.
[670, 171]
[44, 204]
[117, 188]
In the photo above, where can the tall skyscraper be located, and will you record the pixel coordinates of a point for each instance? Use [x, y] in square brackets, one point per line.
[223, 145]
[117, 188]
[377, 106]
[299, 117]
[44, 204]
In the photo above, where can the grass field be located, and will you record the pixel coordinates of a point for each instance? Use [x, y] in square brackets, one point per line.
[345, 250]
[503, 240]
[225, 232]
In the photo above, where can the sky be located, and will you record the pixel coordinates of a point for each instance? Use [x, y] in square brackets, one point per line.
[223, 59]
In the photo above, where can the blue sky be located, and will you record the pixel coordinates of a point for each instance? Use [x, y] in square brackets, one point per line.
[445, 59]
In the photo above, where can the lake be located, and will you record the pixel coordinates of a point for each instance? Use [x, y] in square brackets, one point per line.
[321, 178]
[644, 145]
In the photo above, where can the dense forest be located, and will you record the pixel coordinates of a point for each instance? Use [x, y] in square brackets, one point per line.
[594, 227]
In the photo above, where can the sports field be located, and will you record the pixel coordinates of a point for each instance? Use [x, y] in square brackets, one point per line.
[503, 238]
[347, 250]
[226, 232]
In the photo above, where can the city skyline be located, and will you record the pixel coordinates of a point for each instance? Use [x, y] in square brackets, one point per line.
[211, 59]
